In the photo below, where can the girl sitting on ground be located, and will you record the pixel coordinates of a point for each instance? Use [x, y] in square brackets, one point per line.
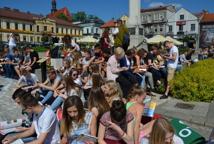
[76, 121]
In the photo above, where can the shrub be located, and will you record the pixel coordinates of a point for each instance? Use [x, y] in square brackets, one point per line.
[195, 83]
[40, 49]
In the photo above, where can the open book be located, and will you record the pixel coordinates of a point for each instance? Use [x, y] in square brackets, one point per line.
[9, 126]
[87, 138]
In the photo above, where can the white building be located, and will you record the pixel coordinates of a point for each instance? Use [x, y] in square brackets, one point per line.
[91, 27]
[183, 23]
[154, 20]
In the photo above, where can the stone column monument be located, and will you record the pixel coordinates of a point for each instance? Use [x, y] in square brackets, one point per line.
[134, 24]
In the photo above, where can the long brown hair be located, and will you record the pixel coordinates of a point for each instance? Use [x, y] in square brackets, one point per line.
[69, 83]
[66, 125]
[97, 99]
[97, 80]
[160, 128]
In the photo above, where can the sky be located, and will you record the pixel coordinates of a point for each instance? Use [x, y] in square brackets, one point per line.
[105, 9]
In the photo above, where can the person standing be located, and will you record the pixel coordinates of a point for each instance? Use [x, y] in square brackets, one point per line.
[11, 43]
[122, 37]
[172, 63]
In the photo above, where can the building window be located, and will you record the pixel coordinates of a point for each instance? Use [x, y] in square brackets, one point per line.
[75, 32]
[156, 29]
[170, 28]
[8, 25]
[31, 27]
[16, 26]
[161, 29]
[87, 31]
[192, 27]
[0, 25]
[66, 31]
[24, 38]
[31, 39]
[62, 30]
[37, 28]
[57, 30]
[23, 27]
[52, 29]
[132, 31]
[45, 28]
[92, 30]
[140, 31]
[181, 17]
[181, 28]
[97, 30]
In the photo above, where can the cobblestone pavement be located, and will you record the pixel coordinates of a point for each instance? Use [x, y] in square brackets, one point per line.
[8, 109]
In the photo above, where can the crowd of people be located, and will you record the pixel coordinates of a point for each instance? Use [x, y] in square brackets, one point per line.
[99, 92]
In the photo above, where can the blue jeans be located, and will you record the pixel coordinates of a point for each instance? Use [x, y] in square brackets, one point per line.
[57, 103]
[8, 68]
[47, 97]
[28, 139]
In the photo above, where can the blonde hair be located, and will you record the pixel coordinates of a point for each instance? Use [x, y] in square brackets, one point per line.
[116, 91]
[135, 90]
[119, 52]
[159, 131]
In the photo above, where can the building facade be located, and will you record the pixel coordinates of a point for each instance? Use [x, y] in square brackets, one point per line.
[31, 27]
[91, 27]
[154, 20]
[207, 30]
[183, 23]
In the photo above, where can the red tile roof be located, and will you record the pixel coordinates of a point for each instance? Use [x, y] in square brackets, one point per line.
[19, 15]
[208, 18]
[62, 22]
[64, 11]
[109, 24]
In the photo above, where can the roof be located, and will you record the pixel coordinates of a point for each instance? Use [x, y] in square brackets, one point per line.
[63, 22]
[17, 14]
[64, 11]
[154, 9]
[108, 24]
[207, 18]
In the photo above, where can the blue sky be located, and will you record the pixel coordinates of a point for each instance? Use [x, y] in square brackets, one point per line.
[105, 9]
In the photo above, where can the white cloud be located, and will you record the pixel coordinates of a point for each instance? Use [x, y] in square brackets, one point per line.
[156, 4]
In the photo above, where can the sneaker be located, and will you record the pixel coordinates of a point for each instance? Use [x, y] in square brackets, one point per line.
[164, 97]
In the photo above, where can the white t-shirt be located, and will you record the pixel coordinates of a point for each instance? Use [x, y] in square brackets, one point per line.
[172, 63]
[73, 44]
[12, 42]
[29, 80]
[46, 122]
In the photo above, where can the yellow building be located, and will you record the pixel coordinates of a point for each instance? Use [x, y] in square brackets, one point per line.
[30, 27]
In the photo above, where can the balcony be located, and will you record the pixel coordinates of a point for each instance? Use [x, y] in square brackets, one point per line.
[180, 33]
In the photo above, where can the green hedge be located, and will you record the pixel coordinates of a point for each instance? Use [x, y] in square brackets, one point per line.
[195, 83]
[40, 49]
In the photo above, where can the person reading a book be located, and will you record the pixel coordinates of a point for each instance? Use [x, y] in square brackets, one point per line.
[45, 123]
[76, 121]
[116, 126]
[97, 103]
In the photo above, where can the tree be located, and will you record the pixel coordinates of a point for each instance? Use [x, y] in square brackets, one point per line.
[79, 16]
